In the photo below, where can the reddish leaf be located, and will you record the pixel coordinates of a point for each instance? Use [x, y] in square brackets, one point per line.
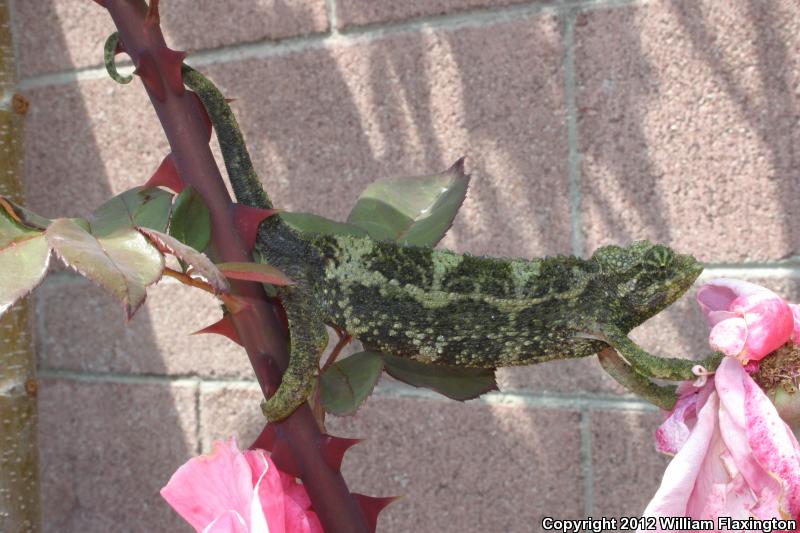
[202, 113]
[166, 175]
[198, 261]
[247, 220]
[372, 506]
[171, 61]
[334, 448]
[147, 69]
[255, 272]
[123, 262]
[224, 327]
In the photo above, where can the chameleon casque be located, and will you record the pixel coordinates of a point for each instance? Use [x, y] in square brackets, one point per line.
[444, 308]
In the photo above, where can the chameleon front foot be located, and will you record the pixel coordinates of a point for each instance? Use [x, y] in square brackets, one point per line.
[646, 364]
[661, 396]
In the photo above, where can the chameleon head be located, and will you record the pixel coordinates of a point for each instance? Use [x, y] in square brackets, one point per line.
[644, 277]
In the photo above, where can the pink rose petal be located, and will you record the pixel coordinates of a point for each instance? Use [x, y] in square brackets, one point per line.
[729, 336]
[209, 486]
[229, 491]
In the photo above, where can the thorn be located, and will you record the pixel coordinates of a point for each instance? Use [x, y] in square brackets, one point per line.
[147, 70]
[152, 17]
[223, 327]
[247, 220]
[458, 166]
[229, 100]
[101, 3]
[265, 439]
[201, 110]
[372, 506]
[166, 175]
[334, 448]
[171, 61]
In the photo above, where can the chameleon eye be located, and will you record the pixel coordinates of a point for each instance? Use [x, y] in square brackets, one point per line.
[658, 258]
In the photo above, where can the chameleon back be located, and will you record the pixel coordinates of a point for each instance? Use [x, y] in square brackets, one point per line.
[434, 305]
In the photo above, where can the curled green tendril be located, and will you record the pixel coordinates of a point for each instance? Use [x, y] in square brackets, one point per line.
[110, 50]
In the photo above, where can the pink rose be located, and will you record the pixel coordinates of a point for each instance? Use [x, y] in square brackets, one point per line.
[748, 320]
[734, 456]
[230, 491]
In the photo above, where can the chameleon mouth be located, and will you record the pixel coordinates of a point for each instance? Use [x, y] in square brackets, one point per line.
[689, 269]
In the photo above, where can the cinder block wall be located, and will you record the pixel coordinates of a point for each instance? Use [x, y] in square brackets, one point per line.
[584, 122]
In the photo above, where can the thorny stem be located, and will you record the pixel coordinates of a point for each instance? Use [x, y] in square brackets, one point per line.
[344, 340]
[258, 325]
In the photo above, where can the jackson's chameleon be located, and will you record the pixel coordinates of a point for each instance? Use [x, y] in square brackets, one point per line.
[444, 308]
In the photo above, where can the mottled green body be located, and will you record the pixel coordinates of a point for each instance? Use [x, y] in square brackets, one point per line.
[440, 307]
[444, 308]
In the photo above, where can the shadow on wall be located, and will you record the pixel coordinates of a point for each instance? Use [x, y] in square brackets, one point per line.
[682, 139]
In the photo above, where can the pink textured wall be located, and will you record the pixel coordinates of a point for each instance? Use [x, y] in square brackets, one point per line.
[585, 122]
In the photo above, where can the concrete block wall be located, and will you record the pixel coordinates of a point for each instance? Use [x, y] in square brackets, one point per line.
[584, 122]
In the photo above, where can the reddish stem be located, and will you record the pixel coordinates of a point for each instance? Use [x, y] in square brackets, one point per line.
[344, 340]
[258, 325]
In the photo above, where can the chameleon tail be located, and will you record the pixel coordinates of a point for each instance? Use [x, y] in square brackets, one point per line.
[244, 180]
[308, 340]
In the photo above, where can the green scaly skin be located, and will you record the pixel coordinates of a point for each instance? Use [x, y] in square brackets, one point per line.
[443, 308]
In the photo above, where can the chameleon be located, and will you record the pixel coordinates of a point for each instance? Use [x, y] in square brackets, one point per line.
[443, 308]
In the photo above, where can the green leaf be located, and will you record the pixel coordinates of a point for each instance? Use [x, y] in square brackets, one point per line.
[414, 210]
[347, 383]
[134, 207]
[199, 263]
[11, 230]
[311, 223]
[22, 215]
[24, 260]
[454, 382]
[255, 272]
[191, 220]
[155, 211]
[123, 262]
